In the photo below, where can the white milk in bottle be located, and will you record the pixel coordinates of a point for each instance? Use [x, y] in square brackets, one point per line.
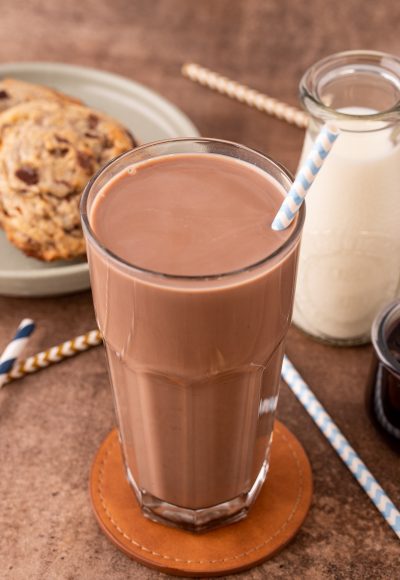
[350, 257]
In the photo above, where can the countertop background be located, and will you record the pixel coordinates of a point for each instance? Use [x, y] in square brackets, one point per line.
[52, 423]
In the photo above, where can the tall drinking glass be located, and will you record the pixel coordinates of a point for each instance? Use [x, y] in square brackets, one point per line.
[194, 360]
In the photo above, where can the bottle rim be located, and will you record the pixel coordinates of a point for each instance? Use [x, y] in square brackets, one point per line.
[388, 64]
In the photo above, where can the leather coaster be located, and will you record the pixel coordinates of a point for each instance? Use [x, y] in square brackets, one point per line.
[273, 521]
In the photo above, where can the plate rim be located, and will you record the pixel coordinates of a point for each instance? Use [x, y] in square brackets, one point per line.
[105, 75]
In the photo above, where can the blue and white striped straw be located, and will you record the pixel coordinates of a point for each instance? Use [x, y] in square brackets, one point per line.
[305, 177]
[341, 446]
[14, 348]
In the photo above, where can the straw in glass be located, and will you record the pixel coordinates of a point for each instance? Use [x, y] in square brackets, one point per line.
[244, 94]
[14, 349]
[342, 447]
[305, 177]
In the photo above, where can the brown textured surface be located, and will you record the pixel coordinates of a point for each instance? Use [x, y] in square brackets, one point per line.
[51, 424]
[277, 515]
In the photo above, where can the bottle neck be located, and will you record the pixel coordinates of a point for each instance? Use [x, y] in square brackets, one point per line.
[359, 90]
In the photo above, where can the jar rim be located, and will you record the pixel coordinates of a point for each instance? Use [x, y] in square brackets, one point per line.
[382, 326]
[389, 64]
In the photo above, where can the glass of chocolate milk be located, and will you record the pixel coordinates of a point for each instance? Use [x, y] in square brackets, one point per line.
[193, 294]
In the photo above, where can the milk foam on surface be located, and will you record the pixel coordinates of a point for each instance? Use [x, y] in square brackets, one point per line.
[350, 256]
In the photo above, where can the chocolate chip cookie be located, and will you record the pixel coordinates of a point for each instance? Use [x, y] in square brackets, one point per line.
[14, 92]
[48, 152]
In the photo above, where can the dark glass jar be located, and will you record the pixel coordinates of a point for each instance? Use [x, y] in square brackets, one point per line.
[383, 391]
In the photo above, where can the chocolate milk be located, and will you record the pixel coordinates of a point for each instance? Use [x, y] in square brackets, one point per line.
[194, 311]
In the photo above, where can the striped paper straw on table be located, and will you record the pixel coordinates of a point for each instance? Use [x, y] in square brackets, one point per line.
[342, 447]
[305, 177]
[14, 349]
[244, 94]
[54, 355]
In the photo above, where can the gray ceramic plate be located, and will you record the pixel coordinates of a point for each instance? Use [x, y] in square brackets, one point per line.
[145, 113]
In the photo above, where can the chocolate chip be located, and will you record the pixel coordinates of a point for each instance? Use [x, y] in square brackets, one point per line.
[91, 135]
[93, 121]
[59, 151]
[4, 95]
[131, 137]
[31, 247]
[72, 195]
[59, 198]
[74, 231]
[28, 175]
[61, 139]
[107, 143]
[85, 161]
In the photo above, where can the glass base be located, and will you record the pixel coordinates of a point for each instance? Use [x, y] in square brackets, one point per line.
[199, 520]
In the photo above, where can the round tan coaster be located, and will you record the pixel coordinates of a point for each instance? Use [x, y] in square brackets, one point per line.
[273, 521]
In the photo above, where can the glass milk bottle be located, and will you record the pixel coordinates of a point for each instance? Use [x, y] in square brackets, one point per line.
[350, 256]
